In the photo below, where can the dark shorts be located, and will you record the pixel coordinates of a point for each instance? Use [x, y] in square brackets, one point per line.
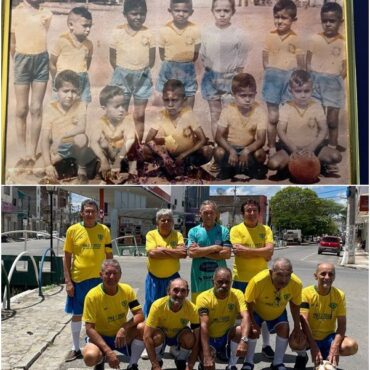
[31, 68]
[329, 89]
[83, 157]
[271, 324]
[214, 85]
[325, 344]
[126, 350]
[240, 285]
[74, 305]
[275, 86]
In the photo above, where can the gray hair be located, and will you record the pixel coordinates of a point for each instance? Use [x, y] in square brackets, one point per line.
[111, 262]
[281, 261]
[219, 269]
[209, 203]
[177, 279]
[162, 213]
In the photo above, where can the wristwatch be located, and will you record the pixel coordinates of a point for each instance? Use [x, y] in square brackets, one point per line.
[244, 339]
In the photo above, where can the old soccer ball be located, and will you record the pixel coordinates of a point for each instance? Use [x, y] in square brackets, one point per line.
[326, 365]
[304, 167]
[297, 342]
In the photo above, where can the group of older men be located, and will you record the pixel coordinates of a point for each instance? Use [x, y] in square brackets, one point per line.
[207, 326]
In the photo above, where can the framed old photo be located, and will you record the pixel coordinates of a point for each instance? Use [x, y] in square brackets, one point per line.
[179, 91]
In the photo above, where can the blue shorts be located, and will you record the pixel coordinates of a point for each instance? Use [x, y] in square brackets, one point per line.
[241, 285]
[216, 84]
[126, 350]
[69, 150]
[221, 345]
[85, 93]
[329, 89]
[133, 83]
[271, 324]
[182, 71]
[275, 86]
[325, 344]
[31, 68]
[74, 305]
[155, 288]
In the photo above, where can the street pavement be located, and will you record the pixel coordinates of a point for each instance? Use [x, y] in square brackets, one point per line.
[36, 331]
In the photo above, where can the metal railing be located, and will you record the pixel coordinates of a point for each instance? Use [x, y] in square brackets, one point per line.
[41, 270]
[132, 249]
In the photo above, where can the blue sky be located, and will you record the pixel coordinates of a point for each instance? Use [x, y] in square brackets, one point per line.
[336, 193]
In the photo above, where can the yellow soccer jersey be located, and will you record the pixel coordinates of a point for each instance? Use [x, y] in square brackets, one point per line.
[179, 134]
[270, 304]
[327, 54]
[252, 237]
[71, 53]
[161, 316]
[60, 121]
[30, 27]
[107, 312]
[323, 310]
[283, 51]
[302, 124]
[88, 246]
[179, 45]
[242, 129]
[222, 313]
[132, 48]
[163, 268]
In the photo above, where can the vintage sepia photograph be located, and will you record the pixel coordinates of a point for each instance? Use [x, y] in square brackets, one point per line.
[179, 92]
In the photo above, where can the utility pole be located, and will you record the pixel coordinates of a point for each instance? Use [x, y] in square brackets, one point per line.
[234, 207]
[349, 248]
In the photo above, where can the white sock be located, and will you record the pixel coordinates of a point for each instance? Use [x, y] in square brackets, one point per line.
[137, 348]
[158, 351]
[250, 351]
[76, 330]
[280, 348]
[265, 335]
[183, 354]
[233, 357]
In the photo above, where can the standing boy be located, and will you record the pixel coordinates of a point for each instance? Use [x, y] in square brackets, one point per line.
[73, 50]
[327, 62]
[30, 24]
[179, 44]
[132, 55]
[241, 132]
[281, 55]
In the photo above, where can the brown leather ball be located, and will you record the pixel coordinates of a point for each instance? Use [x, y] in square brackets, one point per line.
[304, 167]
[297, 343]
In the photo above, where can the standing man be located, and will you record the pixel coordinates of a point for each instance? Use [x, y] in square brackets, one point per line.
[219, 308]
[168, 324]
[209, 247]
[323, 309]
[88, 243]
[164, 246]
[253, 246]
[105, 314]
[267, 296]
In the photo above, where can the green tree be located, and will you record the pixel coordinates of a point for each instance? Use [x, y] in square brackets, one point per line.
[301, 208]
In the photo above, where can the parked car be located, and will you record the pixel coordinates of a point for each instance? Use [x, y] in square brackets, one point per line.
[330, 244]
[42, 234]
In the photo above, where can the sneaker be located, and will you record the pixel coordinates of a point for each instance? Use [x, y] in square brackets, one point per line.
[144, 355]
[181, 364]
[174, 351]
[73, 355]
[200, 366]
[247, 366]
[133, 367]
[278, 367]
[99, 366]
[301, 362]
[268, 352]
[231, 367]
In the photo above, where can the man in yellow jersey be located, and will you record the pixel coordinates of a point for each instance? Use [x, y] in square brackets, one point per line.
[168, 324]
[253, 246]
[105, 314]
[218, 308]
[323, 309]
[164, 247]
[267, 295]
[87, 245]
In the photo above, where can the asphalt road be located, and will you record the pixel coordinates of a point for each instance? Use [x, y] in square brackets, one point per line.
[354, 283]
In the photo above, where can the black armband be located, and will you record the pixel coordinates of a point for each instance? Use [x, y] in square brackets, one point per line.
[203, 311]
[194, 326]
[133, 304]
[305, 305]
